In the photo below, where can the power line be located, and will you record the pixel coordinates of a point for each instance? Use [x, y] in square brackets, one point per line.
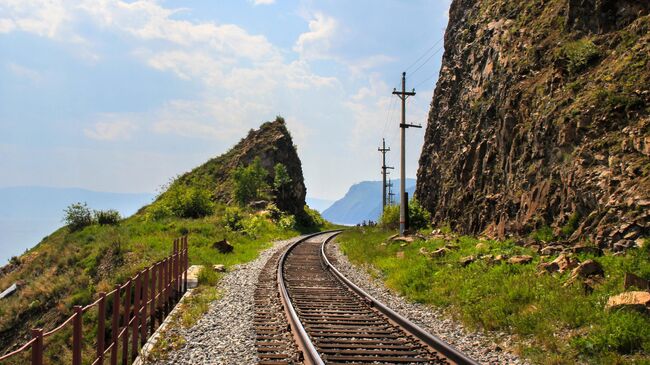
[424, 54]
[427, 60]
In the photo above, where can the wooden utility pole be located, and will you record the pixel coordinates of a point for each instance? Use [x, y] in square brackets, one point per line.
[384, 172]
[403, 95]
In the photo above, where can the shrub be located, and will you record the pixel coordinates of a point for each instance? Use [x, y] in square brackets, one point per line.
[390, 217]
[249, 183]
[287, 222]
[418, 216]
[107, 217]
[281, 179]
[233, 218]
[312, 218]
[544, 234]
[571, 225]
[577, 55]
[190, 202]
[158, 210]
[78, 216]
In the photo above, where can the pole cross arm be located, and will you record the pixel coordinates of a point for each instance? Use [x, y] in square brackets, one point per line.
[403, 93]
[405, 125]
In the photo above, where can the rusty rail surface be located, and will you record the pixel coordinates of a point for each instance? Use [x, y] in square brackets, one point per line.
[145, 300]
[336, 322]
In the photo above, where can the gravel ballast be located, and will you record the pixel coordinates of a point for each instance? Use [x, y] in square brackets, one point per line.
[225, 334]
[476, 345]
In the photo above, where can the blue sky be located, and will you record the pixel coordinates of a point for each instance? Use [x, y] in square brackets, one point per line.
[120, 96]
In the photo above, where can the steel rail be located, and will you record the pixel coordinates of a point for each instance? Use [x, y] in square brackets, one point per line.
[433, 341]
[310, 354]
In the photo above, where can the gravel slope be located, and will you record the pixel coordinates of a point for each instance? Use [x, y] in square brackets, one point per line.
[474, 344]
[225, 335]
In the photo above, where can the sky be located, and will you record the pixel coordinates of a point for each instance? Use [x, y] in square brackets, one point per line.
[121, 96]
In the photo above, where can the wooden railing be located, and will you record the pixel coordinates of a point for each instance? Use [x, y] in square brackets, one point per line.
[138, 308]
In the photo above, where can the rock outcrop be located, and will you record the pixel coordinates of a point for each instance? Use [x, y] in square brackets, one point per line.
[540, 117]
[273, 144]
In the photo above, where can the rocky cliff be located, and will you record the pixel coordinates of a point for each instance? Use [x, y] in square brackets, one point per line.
[273, 144]
[540, 118]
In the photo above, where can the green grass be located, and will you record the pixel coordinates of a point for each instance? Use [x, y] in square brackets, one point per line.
[560, 325]
[70, 268]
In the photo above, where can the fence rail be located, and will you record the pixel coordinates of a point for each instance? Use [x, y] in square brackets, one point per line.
[145, 301]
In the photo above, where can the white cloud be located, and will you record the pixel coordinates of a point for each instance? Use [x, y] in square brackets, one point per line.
[111, 130]
[316, 43]
[263, 2]
[25, 72]
[46, 18]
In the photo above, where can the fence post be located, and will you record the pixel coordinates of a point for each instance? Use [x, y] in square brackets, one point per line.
[152, 308]
[143, 315]
[136, 316]
[101, 327]
[163, 292]
[115, 326]
[186, 264]
[76, 335]
[127, 318]
[161, 302]
[37, 347]
[175, 271]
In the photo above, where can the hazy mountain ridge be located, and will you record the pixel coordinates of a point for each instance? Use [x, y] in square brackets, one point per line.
[362, 202]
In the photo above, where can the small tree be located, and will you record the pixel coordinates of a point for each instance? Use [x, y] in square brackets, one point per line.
[107, 217]
[250, 182]
[281, 180]
[78, 216]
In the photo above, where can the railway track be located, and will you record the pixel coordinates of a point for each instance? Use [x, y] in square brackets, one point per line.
[335, 322]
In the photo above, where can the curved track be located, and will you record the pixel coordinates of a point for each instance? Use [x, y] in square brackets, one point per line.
[335, 322]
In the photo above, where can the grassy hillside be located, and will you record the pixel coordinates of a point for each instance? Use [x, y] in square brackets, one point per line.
[70, 266]
[553, 322]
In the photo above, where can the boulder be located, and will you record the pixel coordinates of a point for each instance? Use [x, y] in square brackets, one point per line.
[582, 248]
[638, 300]
[632, 280]
[481, 246]
[548, 267]
[219, 268]
[223, 246]
[452, 246]
[440, 252]
[551, 250]
[561, 264]
[587, 269]
[258, 205]
[520, 259]
[464, 261]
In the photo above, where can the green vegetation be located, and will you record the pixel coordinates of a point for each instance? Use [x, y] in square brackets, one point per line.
[557, 324]
[418, 216]
[281, 179]
[544, 234]
[78, 216]
[577, 55]
[250, 183]
[107, 217]
[182, 202]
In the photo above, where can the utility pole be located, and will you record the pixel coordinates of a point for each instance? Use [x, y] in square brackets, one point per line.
[391, 200]
[383, 151]
[403, 95]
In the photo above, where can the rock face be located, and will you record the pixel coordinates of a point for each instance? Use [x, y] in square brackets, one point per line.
[273, 144]
[540, 117]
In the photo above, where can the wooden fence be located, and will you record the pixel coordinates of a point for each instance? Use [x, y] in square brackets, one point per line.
[138, 308]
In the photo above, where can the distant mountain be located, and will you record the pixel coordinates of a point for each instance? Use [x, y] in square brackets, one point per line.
[362, 202]
[319, 204]
[28, 213]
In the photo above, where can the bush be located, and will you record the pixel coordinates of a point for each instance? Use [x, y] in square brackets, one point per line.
[249, 183]
[107, 217]
[418, 216]
[287, 222]
[390, 217]
[78, 216]
[190, 203]
[313, 218]
[576, 56]
[233, 219]
[544, 234]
